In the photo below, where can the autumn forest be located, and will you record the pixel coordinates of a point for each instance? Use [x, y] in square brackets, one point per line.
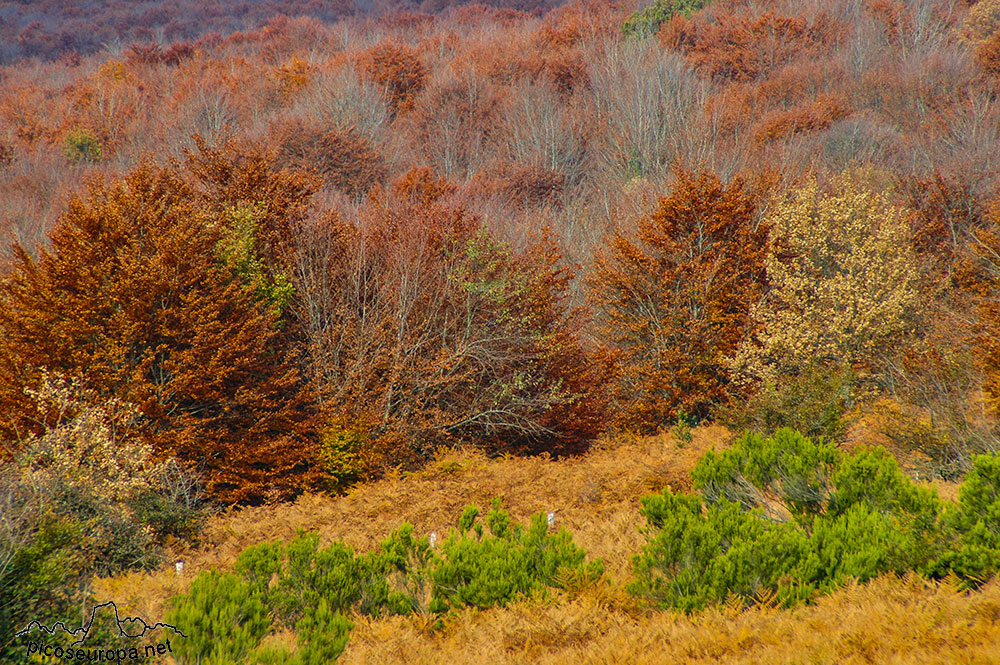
[718, 280]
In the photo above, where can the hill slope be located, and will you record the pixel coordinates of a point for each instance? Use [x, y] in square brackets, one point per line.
[596, 497]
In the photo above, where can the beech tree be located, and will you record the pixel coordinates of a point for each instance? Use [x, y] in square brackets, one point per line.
[137, 299]
[398, 70]
[674, 299]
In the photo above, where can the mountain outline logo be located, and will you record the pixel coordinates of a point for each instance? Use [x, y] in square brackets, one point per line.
[127, 622]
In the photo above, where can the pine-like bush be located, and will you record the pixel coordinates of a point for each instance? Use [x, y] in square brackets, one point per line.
[482, 569]
[789, 518]
[298, 585]
[698, 556]
[787, 466]
[976, 551]
[223, 617]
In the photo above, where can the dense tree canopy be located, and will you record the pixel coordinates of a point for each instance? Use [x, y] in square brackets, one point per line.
[134, 299]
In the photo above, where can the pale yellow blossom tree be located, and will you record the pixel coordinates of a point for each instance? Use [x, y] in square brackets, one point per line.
[843, 281]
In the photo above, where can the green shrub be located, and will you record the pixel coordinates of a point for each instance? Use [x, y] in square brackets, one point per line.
[975, 524]
[82, 146]
[873, 476]
[322, 635]
[482, 569]
[845, 517]
[682, 428]
[223, 617]
[647, 21]
[697, 556]
[787, 465]
[311, 575]
[89, 469]
[299, 585]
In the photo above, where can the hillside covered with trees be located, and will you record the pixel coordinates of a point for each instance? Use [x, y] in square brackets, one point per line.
[258, 253]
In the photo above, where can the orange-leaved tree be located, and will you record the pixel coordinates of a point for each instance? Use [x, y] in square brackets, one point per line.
[138, 298]
[397, 70]
[674, 299]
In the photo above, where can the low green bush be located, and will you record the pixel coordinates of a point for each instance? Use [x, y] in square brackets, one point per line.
[975, 524]
[790, 518]
[481, 569]
[322, 635]
[298, 585]
[787, 466]
[224, 618]
[699, 555]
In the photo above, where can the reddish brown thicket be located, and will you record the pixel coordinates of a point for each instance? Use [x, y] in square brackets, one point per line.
[977, 276]
[674, 300]
[945, 212]
[453, 125]
[809, 117]
[344, 159]
[431, 331]
[743, 48]
[523, 187]
[133, 300]
[398, 71]
[988, 55]
[153, 54]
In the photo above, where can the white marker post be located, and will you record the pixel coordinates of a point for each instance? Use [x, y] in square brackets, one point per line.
[179, 567]
[552, 520]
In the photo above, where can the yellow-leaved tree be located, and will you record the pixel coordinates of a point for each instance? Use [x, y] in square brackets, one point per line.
[843, 281]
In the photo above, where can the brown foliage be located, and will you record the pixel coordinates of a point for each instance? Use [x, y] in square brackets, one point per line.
[153, 54]
[6, 154]
[398, 70]
[809, 117]
[893, 17]
[945, 211]
[133, 300]
[229, 176]
[675, 299]
[421, 321]
[454, 122]
[293, 75]
[743, 48]
[978, 275]
[346, 160]
[988, 55]
[524, 187]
